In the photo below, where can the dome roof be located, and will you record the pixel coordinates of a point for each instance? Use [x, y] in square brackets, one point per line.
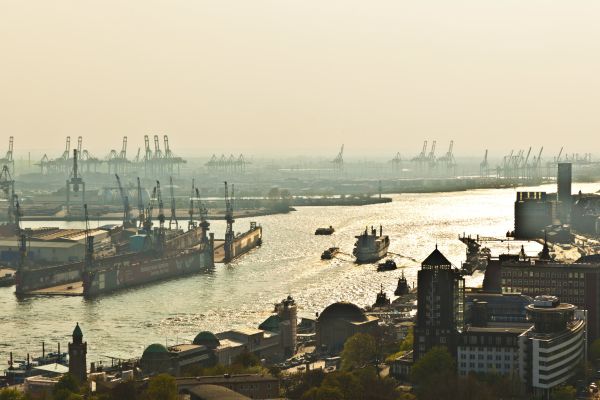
[206, 338]
[343, 310]
[155, 348]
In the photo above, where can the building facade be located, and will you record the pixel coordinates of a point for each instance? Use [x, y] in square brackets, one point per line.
[440, 305]
[552, 349]
[77, 355]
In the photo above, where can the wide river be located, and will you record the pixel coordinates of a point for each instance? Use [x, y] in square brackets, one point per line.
[242, 294]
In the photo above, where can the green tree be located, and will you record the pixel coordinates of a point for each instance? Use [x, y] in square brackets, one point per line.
[162, 387]
[595, 351]
[246, 359]
[407, 343]
[124, 390]
[323, 393]
[67, 388]
[563, 392]
[359, 350]
[11, 394]
[435, 362]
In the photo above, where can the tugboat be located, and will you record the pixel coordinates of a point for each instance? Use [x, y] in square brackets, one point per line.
[330, 253]
[371, 247]
[382, 299]
[388, 265]
[402, 288]
[325, 231]
[8, 279]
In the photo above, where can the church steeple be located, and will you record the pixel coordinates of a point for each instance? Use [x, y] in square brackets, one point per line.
[77, 355]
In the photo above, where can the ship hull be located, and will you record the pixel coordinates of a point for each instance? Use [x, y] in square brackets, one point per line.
[369, 256]
[140, 270]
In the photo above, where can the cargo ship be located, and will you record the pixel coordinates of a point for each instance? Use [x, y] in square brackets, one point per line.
[370, 247]
[130, 270]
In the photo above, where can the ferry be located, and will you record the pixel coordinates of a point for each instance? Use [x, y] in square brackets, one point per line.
[370, 247]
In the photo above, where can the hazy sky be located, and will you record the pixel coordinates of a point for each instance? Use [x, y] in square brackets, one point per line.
[263, 77]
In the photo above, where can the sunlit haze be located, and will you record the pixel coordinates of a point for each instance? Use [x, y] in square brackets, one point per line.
[272, 78]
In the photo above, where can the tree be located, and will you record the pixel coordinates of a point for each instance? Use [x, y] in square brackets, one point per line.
[436, 361]
[11, 394]
[595, 351]
[323, 393]
[66, 388]
[247, 359]
[359, 350]
[162, 387]
[407, 343]
[563, 392]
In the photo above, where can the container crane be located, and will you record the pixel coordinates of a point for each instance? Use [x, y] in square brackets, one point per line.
[74, 182]
[338, 161]
[484, 166]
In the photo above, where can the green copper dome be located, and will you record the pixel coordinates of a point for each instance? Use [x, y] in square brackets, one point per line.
[206, 338]
[155, 348]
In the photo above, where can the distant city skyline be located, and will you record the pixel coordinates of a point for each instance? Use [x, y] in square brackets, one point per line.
[277, 78]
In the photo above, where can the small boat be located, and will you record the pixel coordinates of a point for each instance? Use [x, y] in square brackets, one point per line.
[402, 288]
[325, 231]
[330, 253]
[7, 280]
[382, 299]
[388, 265]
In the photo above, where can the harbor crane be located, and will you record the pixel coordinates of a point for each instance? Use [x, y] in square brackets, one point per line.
[140, 204]
[229, 234]
[8, 158]
[173, 217]
[191, 222]
[89, 240]
[448, 158]
[74, 183]
[396, 161]
[484, 168]
[161, 214]
[338, 161]
[203, 211]
[126, 207]
[7, 186]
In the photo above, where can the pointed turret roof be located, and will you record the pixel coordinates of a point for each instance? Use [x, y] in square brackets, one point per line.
[77, 332]
[436, 258]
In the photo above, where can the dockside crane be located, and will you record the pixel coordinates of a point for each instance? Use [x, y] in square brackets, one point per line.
[140, 204]
[126, 207]
[173, 217]
[203, 211]
[7, 185]
[338, 161]
[484, 166]
[191, 222]
[161, 215]
[229, 234]
[74, 183]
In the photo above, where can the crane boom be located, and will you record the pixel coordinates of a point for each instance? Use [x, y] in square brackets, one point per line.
[125, 199]
[173, 218]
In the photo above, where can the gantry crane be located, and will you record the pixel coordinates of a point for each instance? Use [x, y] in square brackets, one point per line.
[7, 186]
[484, 166]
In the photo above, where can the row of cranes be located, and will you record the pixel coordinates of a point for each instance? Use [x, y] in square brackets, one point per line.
[155, 161]
[428, 160]
[227, 164]
[521, 165]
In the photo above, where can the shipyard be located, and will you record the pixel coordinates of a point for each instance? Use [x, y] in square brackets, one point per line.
[232, 200]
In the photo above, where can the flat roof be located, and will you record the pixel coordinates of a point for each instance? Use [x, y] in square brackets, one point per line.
[55, 368]
[40, 244]
[498, 329]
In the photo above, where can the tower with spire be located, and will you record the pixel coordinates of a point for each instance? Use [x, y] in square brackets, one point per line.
[77, 355]
[440, 305]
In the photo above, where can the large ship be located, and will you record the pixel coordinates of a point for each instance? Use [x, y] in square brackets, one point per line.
[370, 247]
[128, 270]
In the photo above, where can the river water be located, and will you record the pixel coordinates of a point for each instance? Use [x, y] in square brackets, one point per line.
[242, 294]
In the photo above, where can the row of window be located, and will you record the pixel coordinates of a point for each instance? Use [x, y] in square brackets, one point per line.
[542, 274]
[488, 366]
[551, 282]
[498, 357]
